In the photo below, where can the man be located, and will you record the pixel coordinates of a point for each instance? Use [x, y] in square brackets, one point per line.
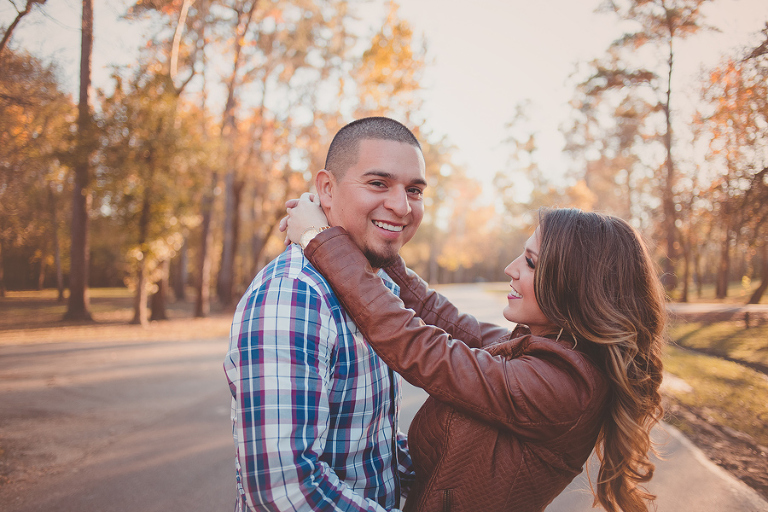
[314, 409]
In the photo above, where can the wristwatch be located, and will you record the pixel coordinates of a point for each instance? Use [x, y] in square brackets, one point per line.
[309, 234]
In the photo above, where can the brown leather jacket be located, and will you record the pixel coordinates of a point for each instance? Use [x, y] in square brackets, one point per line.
[511, 417]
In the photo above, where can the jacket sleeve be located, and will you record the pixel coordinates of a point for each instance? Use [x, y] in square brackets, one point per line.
[437, 310]
[538, 396]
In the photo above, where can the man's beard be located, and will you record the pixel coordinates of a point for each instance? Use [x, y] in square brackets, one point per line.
[379, 260]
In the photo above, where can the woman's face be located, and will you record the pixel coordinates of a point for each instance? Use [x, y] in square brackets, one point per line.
[522, 307]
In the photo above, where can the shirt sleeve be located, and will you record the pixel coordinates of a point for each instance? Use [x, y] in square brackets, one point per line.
[278, 366]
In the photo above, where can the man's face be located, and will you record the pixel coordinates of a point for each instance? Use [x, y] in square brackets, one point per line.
[379, 199]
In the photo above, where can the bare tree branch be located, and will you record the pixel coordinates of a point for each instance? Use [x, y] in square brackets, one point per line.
[12, 27]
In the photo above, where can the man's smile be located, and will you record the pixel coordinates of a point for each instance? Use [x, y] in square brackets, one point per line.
[388, 227]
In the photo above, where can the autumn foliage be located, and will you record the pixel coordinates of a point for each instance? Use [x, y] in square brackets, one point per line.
[193, 149]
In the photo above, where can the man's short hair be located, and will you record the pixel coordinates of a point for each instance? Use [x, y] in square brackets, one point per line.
[343, 151]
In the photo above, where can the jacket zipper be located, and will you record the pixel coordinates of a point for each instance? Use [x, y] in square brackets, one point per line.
[447, 500]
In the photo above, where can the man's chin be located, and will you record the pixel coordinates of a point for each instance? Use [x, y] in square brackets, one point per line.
[379, 259]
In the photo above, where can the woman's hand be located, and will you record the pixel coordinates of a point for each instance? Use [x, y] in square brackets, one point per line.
[303, 213]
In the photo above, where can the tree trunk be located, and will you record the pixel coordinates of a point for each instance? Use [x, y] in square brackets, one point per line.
[180, 273]
[52, 205]
[755, 298]
[433, 268]
[203, 300]
[158, 300]
[237, 221]
[41, 274]
[668, 198]
[259, 239]
[2, 266]
[140, 298]
[78, 305]
[721, 288]
[686, 269]
[697, 273]
[226, 278]
[228, 136]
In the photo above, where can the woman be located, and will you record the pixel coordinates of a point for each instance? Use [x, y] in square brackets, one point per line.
[513, 416]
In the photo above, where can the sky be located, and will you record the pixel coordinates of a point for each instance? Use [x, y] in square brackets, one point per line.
[491, 56]
[485, 57]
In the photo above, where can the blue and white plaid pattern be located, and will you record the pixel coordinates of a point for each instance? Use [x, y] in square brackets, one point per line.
[314, 409]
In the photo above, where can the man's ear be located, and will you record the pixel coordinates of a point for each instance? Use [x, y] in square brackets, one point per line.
[325, 182]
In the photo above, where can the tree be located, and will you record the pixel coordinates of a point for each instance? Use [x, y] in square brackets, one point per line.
[181, 48]
[243, 16]
[736, 119]
[464, 240]
[605, 138]
[19, 15]
[292, 59]
[34, 122]
[78, 304]
[659, 23]
[389, 74]
[523, 186]
[139, 175]
[756, 200]
[445, 180]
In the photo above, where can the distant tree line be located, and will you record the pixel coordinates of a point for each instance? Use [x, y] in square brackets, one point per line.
[172, 180]
[693, 182]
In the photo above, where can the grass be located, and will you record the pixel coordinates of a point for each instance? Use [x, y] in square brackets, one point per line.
[738, 293]
[729, 340]
[725, 364]
[723, 391]
[36, 308]
[36, 316]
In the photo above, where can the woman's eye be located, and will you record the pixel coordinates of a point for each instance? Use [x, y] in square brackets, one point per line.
[529, 261]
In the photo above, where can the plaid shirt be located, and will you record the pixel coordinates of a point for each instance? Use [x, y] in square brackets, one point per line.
[314, 409]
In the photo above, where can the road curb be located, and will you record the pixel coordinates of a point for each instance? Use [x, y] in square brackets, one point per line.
[738, 487]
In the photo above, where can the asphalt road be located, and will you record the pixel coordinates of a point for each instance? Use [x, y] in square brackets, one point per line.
[105, 426]
[144, 426]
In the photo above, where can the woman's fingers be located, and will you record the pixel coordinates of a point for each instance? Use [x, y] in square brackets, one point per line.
[303, 212]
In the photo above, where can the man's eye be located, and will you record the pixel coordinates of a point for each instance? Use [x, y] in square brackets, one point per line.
[529, 261]
[377, 184]
[416, 192]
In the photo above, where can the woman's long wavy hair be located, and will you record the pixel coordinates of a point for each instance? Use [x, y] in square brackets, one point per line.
[596, 280]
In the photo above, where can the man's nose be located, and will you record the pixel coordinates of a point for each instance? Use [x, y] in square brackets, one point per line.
[397, 202]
